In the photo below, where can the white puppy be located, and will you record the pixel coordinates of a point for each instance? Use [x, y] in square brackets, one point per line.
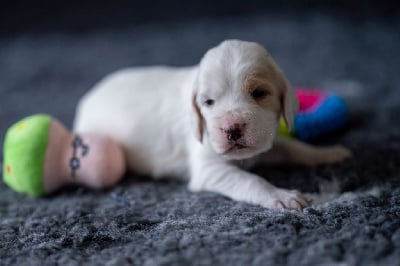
[205, 121]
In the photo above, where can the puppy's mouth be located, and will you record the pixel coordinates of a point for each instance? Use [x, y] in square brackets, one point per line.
[241, 149]
[235, 147]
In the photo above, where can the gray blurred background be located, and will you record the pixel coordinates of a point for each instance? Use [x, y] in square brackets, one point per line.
[52, 52]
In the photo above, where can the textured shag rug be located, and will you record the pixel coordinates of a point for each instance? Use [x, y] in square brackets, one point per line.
[355, 219]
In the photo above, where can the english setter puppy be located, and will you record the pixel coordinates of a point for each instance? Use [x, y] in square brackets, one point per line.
[206, 122]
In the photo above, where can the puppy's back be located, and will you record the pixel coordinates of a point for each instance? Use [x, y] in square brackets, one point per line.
[143, 109]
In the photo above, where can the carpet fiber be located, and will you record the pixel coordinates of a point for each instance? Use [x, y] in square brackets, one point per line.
[355, 219]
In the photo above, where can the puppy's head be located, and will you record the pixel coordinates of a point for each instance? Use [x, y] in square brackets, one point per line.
[238, 98]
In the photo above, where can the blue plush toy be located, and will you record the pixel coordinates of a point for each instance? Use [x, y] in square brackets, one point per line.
[320, 113]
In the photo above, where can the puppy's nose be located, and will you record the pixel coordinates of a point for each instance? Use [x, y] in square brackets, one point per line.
[234, 133]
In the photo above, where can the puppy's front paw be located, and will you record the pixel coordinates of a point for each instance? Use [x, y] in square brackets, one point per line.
[286, 199]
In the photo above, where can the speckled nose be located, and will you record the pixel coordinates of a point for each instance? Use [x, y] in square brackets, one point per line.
[235, 132]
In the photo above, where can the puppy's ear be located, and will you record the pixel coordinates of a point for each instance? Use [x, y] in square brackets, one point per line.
[290, 104]
[288, 97]
[197, 119]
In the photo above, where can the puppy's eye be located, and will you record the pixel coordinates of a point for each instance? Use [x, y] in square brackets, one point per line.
[259, 94]
[209, 102]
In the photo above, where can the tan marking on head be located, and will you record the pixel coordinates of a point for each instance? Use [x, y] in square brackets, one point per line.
[263, 81]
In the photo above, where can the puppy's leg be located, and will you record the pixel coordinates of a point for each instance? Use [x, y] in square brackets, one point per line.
[237, 184]
[295, 151]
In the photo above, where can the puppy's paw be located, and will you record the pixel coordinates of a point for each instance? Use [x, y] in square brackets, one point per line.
[287, 199]
[334, 154]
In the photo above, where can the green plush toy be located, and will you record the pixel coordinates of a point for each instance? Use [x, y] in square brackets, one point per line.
[40, 156]
[24, 154]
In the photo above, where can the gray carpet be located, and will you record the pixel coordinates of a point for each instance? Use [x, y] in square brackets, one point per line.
[356, 216]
